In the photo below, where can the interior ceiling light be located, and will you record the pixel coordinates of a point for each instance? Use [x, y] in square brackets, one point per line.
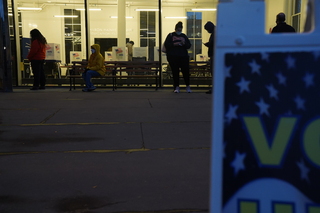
[92, 9]
[204, 9]
[147, 9]
[62, 16]
[29, 8]
[117, 17]
[177, 17]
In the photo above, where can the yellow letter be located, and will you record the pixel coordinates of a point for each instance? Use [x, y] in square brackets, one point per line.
[311, 141]
[270, 153]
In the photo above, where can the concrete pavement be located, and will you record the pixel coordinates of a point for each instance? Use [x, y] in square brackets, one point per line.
[103, 151]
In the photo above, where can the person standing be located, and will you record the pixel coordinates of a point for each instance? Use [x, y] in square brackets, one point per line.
[282, 26]
[129, 45]
[95, 67]
[177, 45]
[36, 56]
[210, 27]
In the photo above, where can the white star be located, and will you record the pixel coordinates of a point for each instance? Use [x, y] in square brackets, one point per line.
[273, 93]
[304, 170]
[316, 55]
[300, 102]
[290, 62]
[227, 72]
[231, 114]
[263, 107]
[265, 56]
[308, 79]
[244, 85]
[282, 79]
[255, 67]
[237, 163]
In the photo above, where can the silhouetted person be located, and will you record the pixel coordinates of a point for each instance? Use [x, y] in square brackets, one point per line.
[129, 45]
[282, 26]
[36, 56]
[177, 45]
[209, 26]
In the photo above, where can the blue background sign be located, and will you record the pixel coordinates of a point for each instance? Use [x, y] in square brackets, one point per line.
[271, 133]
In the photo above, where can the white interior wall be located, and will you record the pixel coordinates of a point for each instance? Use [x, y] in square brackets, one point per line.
[102, 26]
[272, 9]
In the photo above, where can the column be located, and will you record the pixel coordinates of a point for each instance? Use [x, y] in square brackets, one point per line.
[121, 23]
[5, 55]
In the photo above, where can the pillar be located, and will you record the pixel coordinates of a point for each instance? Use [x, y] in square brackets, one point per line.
[121, 23]
[5, 54]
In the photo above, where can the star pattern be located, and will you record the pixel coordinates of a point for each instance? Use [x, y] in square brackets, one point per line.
[227, 72]
[255, 68]
[238, 163]
[299, 102]
[270, 87]
[263, 107]
[281, 79]
[308, 79]
[231, 114]
[265, 56]
[290, 62]
[244, 85]
[304, 170]
[272, 91]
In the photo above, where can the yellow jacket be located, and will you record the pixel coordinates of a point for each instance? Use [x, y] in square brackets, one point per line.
[96, 60]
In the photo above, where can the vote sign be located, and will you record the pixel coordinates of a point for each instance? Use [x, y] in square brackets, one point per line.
[271, 132]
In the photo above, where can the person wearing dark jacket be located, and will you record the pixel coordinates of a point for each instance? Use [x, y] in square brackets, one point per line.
[177, 45]
[282, 26]
[36, 56]
[209, 26]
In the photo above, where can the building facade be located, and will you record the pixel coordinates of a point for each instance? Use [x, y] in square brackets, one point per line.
[71, 27]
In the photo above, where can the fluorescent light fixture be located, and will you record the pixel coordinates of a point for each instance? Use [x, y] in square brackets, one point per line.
[29, 8]
[176, 17]
[62, 16]
[92, 9]
[117, 17]
[147, 9]
[204, 9]
[10, 14]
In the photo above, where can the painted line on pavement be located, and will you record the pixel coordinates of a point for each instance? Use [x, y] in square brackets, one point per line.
[127, 151]
[101, 123]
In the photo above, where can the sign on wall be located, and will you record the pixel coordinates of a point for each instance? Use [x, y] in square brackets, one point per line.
[266, 118]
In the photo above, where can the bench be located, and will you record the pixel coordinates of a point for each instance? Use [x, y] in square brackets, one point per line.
[200, 73]
[125, 70]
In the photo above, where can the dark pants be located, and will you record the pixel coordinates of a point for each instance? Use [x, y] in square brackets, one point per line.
[38, 73]
[178, 64]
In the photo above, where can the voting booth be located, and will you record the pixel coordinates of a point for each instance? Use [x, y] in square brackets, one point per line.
[53, 51]
[119, 54]
[140, 52]
[156, 52]
[266, 114]
[108, 55]
[75, 56]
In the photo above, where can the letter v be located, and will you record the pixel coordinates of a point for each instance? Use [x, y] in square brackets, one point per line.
[270, 153]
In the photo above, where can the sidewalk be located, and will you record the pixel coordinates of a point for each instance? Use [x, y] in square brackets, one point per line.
[104, 151]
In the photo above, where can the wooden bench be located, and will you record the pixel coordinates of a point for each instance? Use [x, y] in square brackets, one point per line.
[200, 73]
[119, 70]
[200, 70]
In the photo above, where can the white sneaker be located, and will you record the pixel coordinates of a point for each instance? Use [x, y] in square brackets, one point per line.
[176, 90]
[188, 89]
